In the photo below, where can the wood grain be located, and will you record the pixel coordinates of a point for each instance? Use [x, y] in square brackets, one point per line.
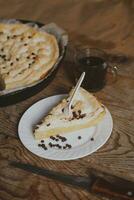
[108, 25]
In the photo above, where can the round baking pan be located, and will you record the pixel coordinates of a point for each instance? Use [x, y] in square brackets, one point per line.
[20, 95]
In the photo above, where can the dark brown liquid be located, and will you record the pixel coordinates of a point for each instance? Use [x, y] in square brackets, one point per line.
[96, 69]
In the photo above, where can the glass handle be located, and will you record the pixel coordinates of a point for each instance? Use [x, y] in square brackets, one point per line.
[113, 70]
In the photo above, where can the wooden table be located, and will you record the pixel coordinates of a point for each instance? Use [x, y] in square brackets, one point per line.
[100, 23]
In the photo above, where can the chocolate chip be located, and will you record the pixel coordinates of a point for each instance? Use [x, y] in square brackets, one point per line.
[39, 145]
[79, 111]
[3, 67]
[92, 139]
[64, 147]
[62, 110]
[50, 144]
[28, 57]
[56, 140]
[25, 44]
[29, 37]
[48, 124]
[14, 36]
[63, 139]
[52, 137]
[17, 59]
[8, 37]
[20, 72]
[43, 145]
[11, 63]
[79, 137]
[3, 56]
[74, 114]
[33, 53]
[42, 141]
[2, 49]
[72, 107]
[69, 146]
[82, 115]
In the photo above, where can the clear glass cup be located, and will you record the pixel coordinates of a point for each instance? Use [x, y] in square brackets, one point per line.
[94, 63]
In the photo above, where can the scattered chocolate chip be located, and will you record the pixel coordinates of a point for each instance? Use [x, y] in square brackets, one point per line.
[17, 59]
[11, 63]
[50, 144]
[48, 124]
[92, 139]
[63, 139]
[62, 110]
[33, 53]
[3, 67]
[42, 141]
[14, 36]
[79, 111]
[74, 114]
[28, 57]
[64, 147]
[8, 37]
[21, 39]
[43, 145]
[2, 49]
[52, 137]
[20, 72]
[7, 73]
[79, 137]
[82, 115]
[29, 37]
[25, 44]
[34, 57]
[56, 140]
[69, 146]
[3, 56]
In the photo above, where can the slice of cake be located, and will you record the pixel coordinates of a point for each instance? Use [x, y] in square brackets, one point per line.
[86, 111]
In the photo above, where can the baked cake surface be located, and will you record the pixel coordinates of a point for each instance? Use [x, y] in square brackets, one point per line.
[26, 55]
[86, 111]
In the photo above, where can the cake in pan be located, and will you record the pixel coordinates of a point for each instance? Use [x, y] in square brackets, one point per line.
[26, 55]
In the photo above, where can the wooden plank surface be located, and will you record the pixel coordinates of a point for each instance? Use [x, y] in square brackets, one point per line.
[105, 24]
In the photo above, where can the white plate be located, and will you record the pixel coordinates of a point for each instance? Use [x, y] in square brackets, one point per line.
[80, 147]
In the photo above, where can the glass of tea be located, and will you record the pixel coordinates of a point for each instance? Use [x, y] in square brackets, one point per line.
[94, 63]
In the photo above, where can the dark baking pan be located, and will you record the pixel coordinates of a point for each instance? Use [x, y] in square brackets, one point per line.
[20, 95]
